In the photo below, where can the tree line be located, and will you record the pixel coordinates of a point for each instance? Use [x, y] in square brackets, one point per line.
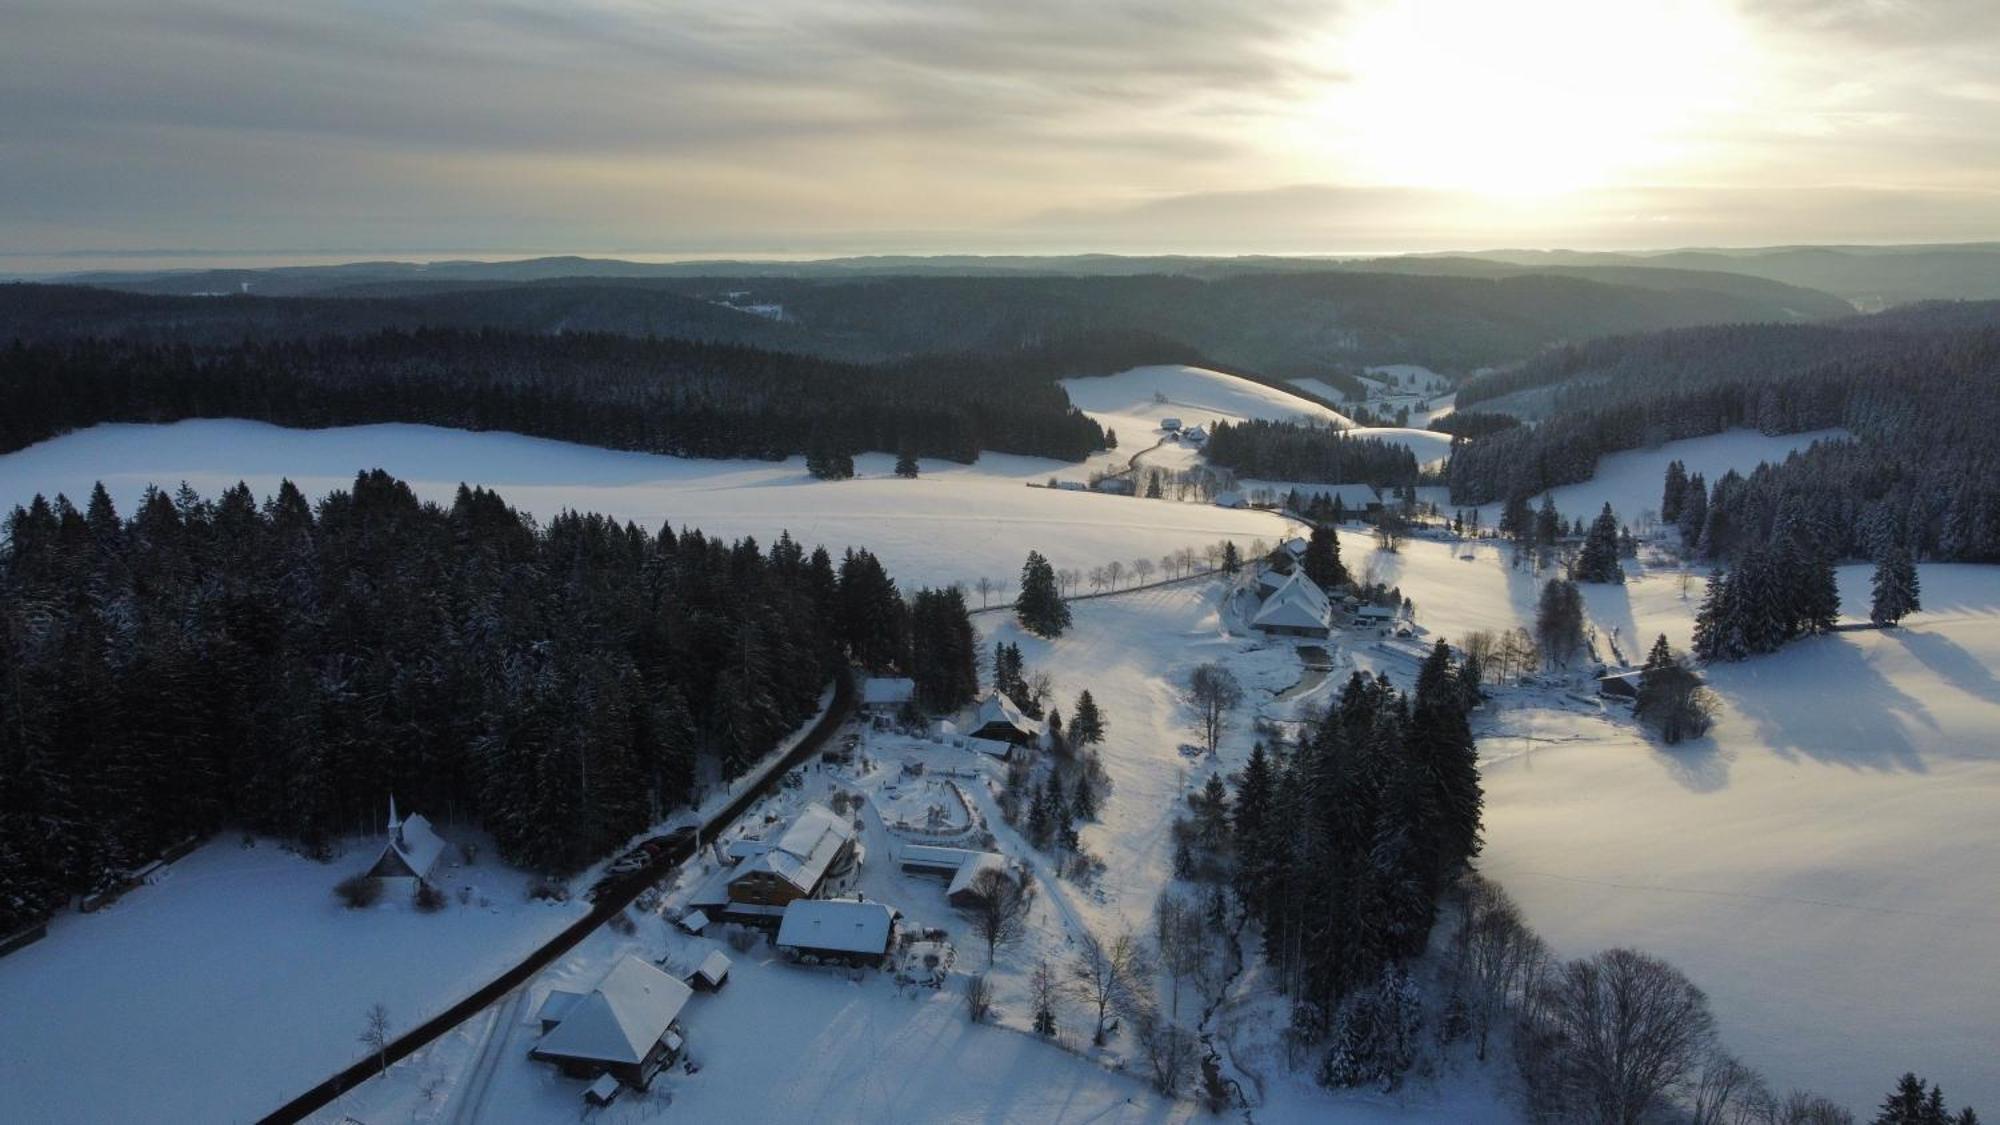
[1269, 450]
[283, 667]
[656, 395]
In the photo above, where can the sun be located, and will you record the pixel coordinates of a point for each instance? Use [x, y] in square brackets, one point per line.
[1522, 98]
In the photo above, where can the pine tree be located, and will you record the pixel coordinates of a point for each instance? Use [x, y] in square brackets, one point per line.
[906, 464]
[1694, 514]
[1040, 607]
[1232, 560]
[1598, 561]
[1895, 586]
[1548, 524]
[1322, 560]
[1674, 494]
[1905, 1104]
[1086, 724]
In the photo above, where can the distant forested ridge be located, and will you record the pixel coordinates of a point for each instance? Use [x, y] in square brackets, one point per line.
[657, 395]
[1919, 388]
[284, 667]
[1268, 450]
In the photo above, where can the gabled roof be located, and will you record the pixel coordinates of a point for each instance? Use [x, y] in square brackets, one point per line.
[975, 863]
[887, 691]
[413, 843]
[713, 968]
[1296, 547]
[556, 1005]
[837, 925]
[997, 708]
[622, 1018]
[1297, 604]
[802, 855]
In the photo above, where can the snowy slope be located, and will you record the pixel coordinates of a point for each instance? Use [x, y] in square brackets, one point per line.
[954, 523]
[239, 982]
[1823, 865]
[1195, 395]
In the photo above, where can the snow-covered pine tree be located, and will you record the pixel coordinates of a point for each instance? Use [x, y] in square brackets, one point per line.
[1040, 606]
[1598, 561]
[1895, 587]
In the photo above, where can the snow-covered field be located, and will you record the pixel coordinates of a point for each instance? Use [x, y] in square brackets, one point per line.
[1129, 402]
[1826, 864]
[239, 982]
[955, 523]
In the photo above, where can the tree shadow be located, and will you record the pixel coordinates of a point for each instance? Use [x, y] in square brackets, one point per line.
[1698, 765]
[1953, 664]
[1821, 699]
[1610, 608]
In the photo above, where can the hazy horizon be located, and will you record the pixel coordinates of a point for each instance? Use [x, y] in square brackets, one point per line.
[860, 127]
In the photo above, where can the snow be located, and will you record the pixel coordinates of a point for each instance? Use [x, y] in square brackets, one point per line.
[1126, 401]
[1823, 865]
[840, 925]
[1325, 390]
[242, 982]
[955, 523]
[1428, 446]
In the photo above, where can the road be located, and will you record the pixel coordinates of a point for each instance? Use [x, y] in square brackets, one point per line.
[612, 899]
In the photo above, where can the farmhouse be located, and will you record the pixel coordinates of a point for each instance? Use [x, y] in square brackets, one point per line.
[886, 695]
[1230, 500]
[1295, 609]
[1116, 486]
[625, 1027]
[1194, 434]
[412, 851]
[999, 719]
[844, 930]
[1377, 615]
[813, 856]
[1170, 424]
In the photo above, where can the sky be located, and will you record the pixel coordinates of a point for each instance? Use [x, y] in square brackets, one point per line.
[142, 132]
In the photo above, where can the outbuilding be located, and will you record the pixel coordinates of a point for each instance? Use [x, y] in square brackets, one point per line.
[843, 930]
[711, 974]
[999, 719]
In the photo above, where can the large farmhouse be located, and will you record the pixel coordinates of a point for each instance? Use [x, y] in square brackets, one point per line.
[1296, 608]
[1000, 720]
[815, 853]
[625, 1027]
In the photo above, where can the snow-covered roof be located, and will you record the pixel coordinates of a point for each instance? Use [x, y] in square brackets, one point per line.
[887, 691]
[1195, 433]
[1170, 423]
[1297, 604]
[694, 921]
[604, 1089]
[930, 855]
[556, 1005]
[997, 708]
[1296, 547]
[802, 855]
[992, 747]
[1229, 499]
[622, 1018]
[975, 863]
[414, 842]
[839, 925]
[1375, 612]
[713, 968]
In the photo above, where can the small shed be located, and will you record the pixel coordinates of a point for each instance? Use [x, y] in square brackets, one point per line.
[991, 747]
[1620, 685]
[1170, 424]
[711, 974]
[604, 1091]
[694, 921]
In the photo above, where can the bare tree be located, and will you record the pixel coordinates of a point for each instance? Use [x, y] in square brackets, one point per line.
[1213, 692]
[376, 1036]
[1109, 975]
[985, 588]
[1631, 1028]
[1182, 939]
[1098, 578]
[1212, 555]
[978, 998]
[1113, 571]
[1171, 1051]
[1725, 1091]
[1803, 1108]
[1143, 568]
[999, 909]
[1494, 947]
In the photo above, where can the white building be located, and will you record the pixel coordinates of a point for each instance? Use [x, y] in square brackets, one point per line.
[624, 1027]
[837, 930]
[1297, 608]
